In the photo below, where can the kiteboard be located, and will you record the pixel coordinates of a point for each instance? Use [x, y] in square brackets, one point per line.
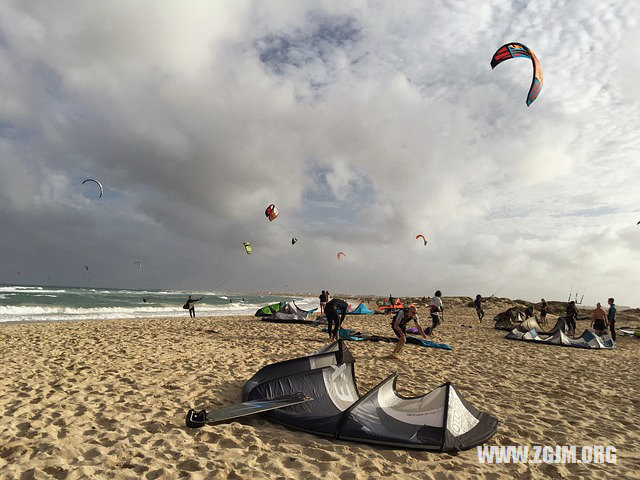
[199, 419]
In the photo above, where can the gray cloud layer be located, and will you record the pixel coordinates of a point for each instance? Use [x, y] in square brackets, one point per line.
[365, 123]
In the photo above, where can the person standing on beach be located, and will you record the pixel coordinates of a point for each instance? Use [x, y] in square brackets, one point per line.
[399, 326]
[572, 316]
[611, 316]
[190, 306]
[478, 304]
[599, 320]
[543, 312]
[436, 309]
[323, 301]
[335, 310]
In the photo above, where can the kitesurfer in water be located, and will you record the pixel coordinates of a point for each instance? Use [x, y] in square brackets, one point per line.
[190, 306]
[571, 316]
[436, 309]
[335, 311]
[399, 326]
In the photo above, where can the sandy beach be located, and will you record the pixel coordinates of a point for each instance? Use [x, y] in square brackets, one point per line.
[107, 399]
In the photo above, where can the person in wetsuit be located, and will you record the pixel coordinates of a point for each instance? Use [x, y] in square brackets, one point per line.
[571, 316]
[478, 304]
[399, 326]
[611, 318]
[190, 306]
[335, 310]
[543, 312]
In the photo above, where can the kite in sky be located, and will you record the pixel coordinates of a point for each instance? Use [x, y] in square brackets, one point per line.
[271, 212]
[247, 247]
[422, 237]
[97, 183]
[518, 50]
[340, 253]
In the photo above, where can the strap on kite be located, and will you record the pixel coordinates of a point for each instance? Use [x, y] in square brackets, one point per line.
[196, 419]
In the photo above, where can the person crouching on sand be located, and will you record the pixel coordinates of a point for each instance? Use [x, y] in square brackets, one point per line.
[335, 311]
[599, 320]
[399, 326]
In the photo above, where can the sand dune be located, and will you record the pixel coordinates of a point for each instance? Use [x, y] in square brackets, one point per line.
[108, 398]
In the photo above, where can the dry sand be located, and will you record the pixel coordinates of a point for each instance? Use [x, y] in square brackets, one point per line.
[107, 399]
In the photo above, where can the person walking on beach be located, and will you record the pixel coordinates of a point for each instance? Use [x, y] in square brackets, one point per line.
[323, 301]
[478, 304]
[599, 320]
[543, 312]
[335, 311]
[436, 310]
[190, 306]
[399, 326]
[571, 316]
[611, 317]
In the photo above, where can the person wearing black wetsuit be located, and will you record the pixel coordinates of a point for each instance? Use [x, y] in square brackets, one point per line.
[571, 316]
[478, 304]
[191, 307]
[335, 310]
[528, 312]
[611, 318]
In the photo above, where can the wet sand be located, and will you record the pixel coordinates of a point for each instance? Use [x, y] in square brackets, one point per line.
[105, 399]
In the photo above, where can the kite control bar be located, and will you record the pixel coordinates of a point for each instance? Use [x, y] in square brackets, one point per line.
[197, 419]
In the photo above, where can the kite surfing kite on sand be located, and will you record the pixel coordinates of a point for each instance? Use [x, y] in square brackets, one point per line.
[518, 50]
[323, 389]
[97, 183]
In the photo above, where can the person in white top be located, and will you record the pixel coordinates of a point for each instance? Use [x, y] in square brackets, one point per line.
[436, 309]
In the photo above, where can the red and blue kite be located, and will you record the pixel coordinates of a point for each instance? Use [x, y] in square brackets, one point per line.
[515, 50]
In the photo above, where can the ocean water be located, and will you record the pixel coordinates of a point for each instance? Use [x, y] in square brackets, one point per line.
[47, 303]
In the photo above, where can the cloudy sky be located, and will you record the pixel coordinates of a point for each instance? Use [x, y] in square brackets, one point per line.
[365, 122]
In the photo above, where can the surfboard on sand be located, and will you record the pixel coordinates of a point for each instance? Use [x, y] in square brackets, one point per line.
[197, 419]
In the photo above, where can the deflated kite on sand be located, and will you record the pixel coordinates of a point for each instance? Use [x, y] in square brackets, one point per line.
[328, 404]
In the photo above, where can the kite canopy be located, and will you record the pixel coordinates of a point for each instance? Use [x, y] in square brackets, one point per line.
[138, 264]
[440, 421]
[294, 240]
[269, 309]
[588, 339]
[289, 313]
[339, 254]
[247, 247]
[97, 183]
[518, 50]
[361, 309]
[271, 212]
[422, 237]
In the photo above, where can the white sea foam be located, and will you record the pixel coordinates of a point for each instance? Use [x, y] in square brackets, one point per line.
[10, 313]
